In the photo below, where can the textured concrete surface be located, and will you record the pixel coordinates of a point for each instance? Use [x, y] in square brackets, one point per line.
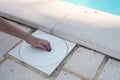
[42, 14]
[10, 70]
[111, 71]
[92, 29]
[48, 61]
[66, 76]
[7, 42]
[85, 62]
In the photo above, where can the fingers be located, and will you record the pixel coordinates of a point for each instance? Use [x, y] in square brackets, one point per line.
[39, 43]
[40, 46]
[46, 44]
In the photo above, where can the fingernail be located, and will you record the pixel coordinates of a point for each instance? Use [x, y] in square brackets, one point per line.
[50, 50]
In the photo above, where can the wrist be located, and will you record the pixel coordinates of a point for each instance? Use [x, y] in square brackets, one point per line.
[28, 37]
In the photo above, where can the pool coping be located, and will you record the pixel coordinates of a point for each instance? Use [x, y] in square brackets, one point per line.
[61, 33]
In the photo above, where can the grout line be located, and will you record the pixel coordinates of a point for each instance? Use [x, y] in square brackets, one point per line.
[11, 19]
[2, 61]
[27, 66]
[70, 54]
[12, 48]
[52, 30]
[75, 74]
[21, 24]
[114, 58]
[22, 21]
[97, 73]
[100, 69]
[32, 30]
[52, 76]
[60, 67]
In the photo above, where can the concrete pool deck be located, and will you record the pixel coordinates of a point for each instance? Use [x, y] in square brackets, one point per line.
[91, 28]
[65, 20]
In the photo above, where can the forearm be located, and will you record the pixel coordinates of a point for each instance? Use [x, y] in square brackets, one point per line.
[12, 30]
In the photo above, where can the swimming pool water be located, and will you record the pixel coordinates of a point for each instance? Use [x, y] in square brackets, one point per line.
[110, 6]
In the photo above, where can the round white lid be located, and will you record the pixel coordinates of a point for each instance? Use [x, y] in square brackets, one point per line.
[38, 57]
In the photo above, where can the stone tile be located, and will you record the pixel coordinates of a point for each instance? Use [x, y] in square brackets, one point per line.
[23, 27]
[10, 70]
[46, 64]
[1, 58]
[7, 42]
[42, 14]
[85, 62]
[66, 76]
[93, 29]
[111, 71]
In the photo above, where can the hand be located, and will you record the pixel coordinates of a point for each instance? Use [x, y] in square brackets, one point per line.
[39, 43]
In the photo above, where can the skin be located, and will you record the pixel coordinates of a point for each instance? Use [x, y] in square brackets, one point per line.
[33, 41]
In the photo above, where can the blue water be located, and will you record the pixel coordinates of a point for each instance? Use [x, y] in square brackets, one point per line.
[110, 6]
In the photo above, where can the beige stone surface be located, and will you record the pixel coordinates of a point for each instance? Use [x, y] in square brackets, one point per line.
[111, 71]
[10, 70]
[85, 62]
[66, 76]
[93, 29]
[43, 61]
[42, 14]
[7, 42]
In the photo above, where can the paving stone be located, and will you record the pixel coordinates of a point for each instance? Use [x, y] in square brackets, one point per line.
[85, 62]
[1, 58]
[66, 76]
[99, 31]
[42, 14]
[23, 27]
[10, 70]
[47, 63]
[111, 71]
[7, 42]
